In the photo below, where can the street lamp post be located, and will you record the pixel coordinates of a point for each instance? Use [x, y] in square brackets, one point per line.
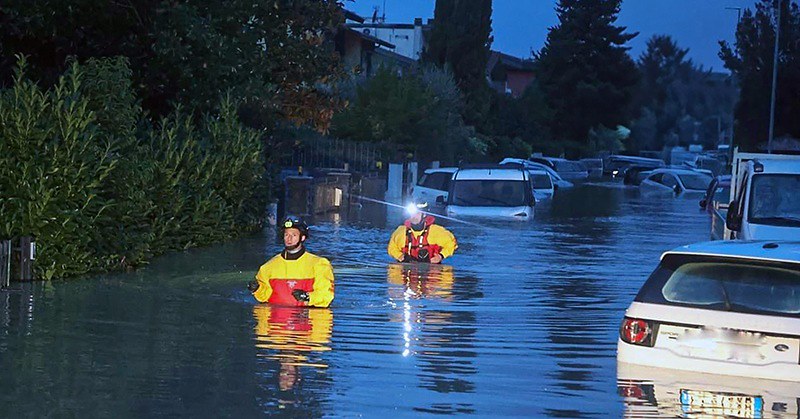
[774, 80]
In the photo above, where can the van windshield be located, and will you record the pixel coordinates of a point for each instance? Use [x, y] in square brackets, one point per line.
[489, 193]
[774, 200]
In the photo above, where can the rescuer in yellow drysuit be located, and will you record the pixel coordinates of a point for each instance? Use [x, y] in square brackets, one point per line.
[295, 277]
[420, 240]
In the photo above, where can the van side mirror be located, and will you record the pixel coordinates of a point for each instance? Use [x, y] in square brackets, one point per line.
[440, 199]
[732, 220]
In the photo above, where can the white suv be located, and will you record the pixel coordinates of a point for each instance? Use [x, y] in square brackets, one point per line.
[722, 307]
[491, 191]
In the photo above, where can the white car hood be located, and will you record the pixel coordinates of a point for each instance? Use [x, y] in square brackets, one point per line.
[502, 212]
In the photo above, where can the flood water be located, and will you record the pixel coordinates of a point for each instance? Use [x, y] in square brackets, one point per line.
[523, 322]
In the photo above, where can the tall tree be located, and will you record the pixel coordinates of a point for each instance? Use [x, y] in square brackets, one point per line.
[460, 40]
[585, 71]
[673, 94]
[751, 58]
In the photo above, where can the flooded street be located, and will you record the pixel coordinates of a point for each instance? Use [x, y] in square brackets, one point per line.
[522, 322]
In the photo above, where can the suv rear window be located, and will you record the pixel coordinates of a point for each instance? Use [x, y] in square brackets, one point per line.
[725, 284]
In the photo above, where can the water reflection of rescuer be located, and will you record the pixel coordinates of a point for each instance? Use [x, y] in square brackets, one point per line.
[294, 277]
[419, 239]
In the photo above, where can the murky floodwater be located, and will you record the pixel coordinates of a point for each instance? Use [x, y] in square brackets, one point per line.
[523, 323]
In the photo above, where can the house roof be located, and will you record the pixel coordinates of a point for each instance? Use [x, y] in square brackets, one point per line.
[370, 38]
[349, 15]
[509, 62]
[400, 59]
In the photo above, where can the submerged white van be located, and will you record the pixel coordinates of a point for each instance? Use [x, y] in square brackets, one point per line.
[490, 191]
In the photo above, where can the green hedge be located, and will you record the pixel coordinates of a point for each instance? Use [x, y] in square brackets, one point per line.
[102, 188]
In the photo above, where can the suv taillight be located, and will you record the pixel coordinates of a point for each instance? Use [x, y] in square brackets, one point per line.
[638, 331]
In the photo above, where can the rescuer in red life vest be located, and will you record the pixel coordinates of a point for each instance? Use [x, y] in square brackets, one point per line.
[294, 277]
[420, 240]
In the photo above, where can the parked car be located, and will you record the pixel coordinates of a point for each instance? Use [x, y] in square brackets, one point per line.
[501, 191]
[675, 181]
[558, 181]
[568, 169]
[542, 185]
[614, 165]
[719, 307]
[433, 183]
[632, 175]
[594, 166]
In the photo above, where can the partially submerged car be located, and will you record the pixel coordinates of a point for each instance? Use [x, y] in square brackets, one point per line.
[542, 185]
[558, 181]
[616, 164]
[675, 181]
[497, 191]
[568, 169]
[721, 307]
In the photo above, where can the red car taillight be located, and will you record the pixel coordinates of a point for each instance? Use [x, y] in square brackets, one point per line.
[638, 332]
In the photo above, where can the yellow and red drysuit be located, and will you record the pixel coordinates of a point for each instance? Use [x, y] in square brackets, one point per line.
[287, 272]
[406, 241]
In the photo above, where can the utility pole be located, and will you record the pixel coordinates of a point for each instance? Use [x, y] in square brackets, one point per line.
[774, 80]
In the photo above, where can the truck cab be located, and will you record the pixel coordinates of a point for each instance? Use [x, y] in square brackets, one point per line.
[764, 197]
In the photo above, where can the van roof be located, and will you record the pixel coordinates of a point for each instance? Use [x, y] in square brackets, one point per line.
[781, 166]
[637, 159]
[496, 173]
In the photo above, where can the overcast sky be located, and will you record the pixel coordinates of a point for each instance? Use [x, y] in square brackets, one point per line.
[519, 26]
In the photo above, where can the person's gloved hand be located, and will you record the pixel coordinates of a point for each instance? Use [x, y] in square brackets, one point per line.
[437, 258]
[300, 295]
[252, 286]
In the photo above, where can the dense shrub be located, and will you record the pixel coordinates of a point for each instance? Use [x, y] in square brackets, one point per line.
[83, 171]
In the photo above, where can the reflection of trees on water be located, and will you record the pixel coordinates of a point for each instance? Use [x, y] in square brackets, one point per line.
[573, 295]
[102, 347]
[441, 339]
[294, 337]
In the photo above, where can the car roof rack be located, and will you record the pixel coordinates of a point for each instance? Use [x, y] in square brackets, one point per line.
[491, 166]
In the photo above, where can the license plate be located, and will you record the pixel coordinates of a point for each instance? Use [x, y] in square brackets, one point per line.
[722, 404]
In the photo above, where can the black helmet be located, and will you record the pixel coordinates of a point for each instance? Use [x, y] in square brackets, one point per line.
[295, 222]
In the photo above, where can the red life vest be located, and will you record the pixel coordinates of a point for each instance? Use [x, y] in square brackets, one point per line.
[416, 243]
[282, 290]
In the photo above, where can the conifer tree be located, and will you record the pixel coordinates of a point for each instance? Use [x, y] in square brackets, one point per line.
[585, 71]
[460, 40]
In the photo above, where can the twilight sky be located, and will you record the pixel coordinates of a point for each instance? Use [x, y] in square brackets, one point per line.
[519, 26]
